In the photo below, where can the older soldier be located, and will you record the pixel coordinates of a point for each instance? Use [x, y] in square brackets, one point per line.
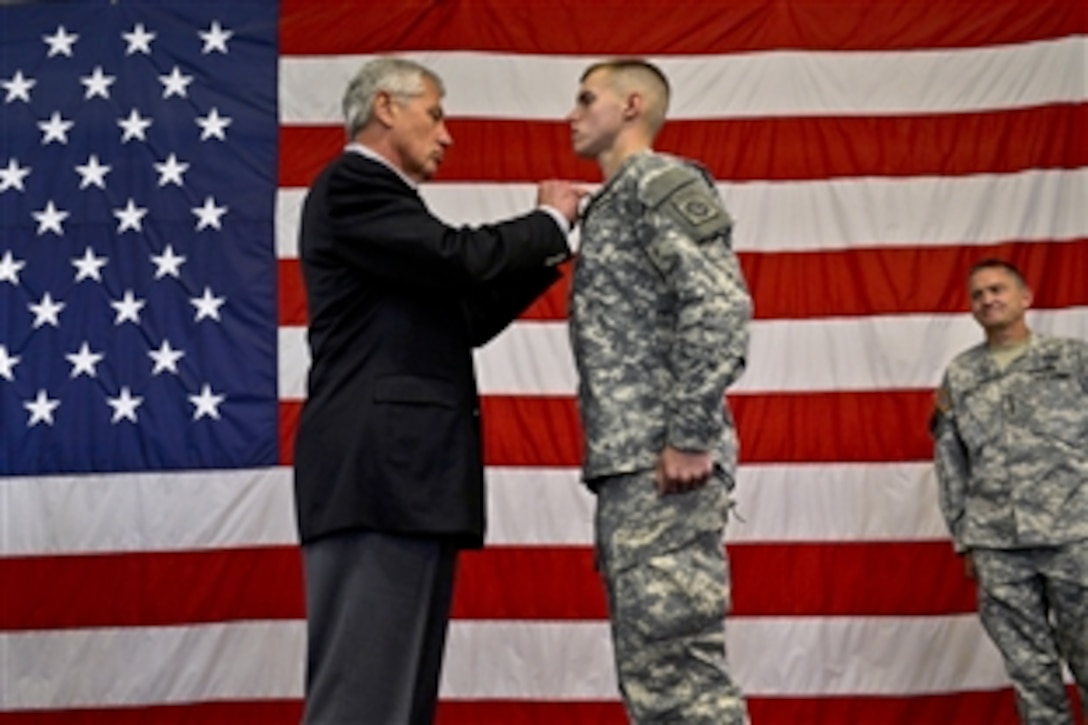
[1011, 429]
[659, 312]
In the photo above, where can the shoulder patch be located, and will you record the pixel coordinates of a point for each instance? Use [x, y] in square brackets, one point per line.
[942, 405]
[662, 185]
[942, 400]
[681, 193]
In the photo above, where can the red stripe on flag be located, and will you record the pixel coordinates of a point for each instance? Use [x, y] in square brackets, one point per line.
[151, 588]
[752, 149]
[810, 579]
[846, 283]
[906, 280]
[604, 27]
[865, 426]
[264, 712]
[964, 708]
[500, 582]
[291, 295]
[961, 708]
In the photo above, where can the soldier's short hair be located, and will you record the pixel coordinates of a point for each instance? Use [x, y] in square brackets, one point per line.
[995, 263]
[629, 74]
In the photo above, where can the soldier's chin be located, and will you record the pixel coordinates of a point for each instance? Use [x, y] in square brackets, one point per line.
[583, 149]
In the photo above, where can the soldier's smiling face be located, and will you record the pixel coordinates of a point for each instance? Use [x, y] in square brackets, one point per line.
[597, 116]
[998, 299]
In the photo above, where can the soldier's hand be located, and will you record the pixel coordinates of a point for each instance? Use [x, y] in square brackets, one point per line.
[679, 471]
[969, 566]
[562, 196]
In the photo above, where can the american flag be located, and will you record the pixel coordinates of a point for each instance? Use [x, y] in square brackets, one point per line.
[153, 159]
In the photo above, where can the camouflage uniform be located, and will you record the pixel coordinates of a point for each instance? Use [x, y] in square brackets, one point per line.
[658, 319]
[1012, 463]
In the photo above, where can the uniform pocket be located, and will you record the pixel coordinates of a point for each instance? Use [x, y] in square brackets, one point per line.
[676, 593]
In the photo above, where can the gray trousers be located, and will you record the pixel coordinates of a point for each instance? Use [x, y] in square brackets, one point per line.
[667, 578]
[377, 612]
[1034, 605]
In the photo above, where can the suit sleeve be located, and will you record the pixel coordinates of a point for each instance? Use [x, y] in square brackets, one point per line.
[489, 309]
[688, 237]
[384, 229]
[951, 463]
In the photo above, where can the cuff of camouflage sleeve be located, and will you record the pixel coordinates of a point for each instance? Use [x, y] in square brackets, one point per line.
[691, 440]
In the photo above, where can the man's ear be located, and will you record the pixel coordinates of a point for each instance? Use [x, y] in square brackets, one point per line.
[633, 107]
[1028, 296]
[384, 108]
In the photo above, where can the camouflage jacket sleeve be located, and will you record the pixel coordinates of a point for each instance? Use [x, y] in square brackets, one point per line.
[950, 460]
[687, 234]
[1083, 350]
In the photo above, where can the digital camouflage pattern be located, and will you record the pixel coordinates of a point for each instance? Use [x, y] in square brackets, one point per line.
[1035, 626]
[659, 315]
[667, 576]
[1012, 446]
[1012, 466]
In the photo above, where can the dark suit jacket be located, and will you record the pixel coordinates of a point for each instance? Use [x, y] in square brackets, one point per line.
[389, 438]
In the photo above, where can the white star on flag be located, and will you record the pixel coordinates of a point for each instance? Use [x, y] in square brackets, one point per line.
[175, 84]
[213, 125]
[7, 364]
[128, 308]
[50, 219]
[139, 40]
[134, 126]
[206, 403]
[124, 406]
[92, 173]
[84, 361]
[9, 268]
[88, 266]
[166, 358]
[11, 176]
[46, 311]
[170, 171]
[55, 129]
[130, 217]
[60, 43]
[215, 38]
[41, 409]
[18, 87]
[207, 305]
[97, 84]
[209, 214]
[167, 263]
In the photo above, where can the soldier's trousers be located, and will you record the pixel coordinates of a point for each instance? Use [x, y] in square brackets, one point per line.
[1034, 605]
[666, 574]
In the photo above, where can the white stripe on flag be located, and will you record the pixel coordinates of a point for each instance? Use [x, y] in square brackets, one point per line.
[788, 656]
[812, 216]
[526, 507]
[741, 85]
[839, 354]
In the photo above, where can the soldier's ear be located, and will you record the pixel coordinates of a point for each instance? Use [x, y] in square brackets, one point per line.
[1028, 296]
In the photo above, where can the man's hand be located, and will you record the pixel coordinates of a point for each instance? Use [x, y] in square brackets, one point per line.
[679, 471]
[563, 196]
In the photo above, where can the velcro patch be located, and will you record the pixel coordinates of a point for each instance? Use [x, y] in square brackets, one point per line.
[681, 194]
